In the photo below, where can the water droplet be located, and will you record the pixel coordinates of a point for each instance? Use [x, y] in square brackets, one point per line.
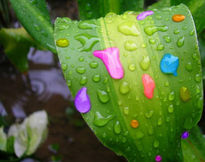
[198, 78]
[152, 41]
[96, 78]
[149, 114]
[144, 45]
[80, 70]
[159, 122]
[167, 39]
[158, 158]
[171, 109]
[180, 41]
[149, 86]
[189, 66]
[128, 28]
[166, 84]
[176, 31]
[63, 42]
[88, 41]
[82, 101]
[93, 65]
[191, 32]
[117, 127]
[100, 120]
[87, 24]
[139, 135]
[103, 96]
[156, 143]
[144, 14]
[159, 17]
[64, 67]
[160, 47]
[81, 59]
[69, 83]
[111, 60]
[169, 64]
[132, 67]
[178, 18]
[185, 135]
[171, 96]
[145, 63]
[83, 80]
[130, 45]
[150, 30]
[124, 87]
[134, 124]
[184, 94]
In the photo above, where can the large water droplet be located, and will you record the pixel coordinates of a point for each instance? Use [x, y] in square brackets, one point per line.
[63, 42]
[80, 70]
[180, 41]
[83, 80]
[130, 45]
[150, 30]
[149, 86]
[132, 67]
[96, 78]
[128, 28]
[184, 94]
[103, 96]
[93, 65]
[145, 63]
[171, 109]
[171, 96]
[124, 87]
[117, 127]
[100, 120]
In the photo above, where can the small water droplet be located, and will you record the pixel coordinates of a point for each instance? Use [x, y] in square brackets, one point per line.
[189, 66]
[171, 96]
[166, 84]
[191, 32]
[130, 45]
[159, 122]
[156, 143]
[132, 67]
[124, 87]
[126, 110]
[69, 83]
[150, 30]
[117, 127]
[87, 24]
[63, 42]
[198, 78]
[176, 31]
[64, 67]
[93, 65]
[167, 39]
[80, 70]
[160, 47]
[100, 120]
[96, 78]
[103, 96]
[145, 63]
[180, 41]
[149, 114]
[152, 41]
[83, 80]
[81, 59]
[171, 109]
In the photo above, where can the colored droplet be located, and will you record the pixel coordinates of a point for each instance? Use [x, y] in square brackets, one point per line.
[83, 80]
[124, 87]
[167, 39]
[63, 42]
[126, 110]
[82, 101]
[130, 45]
[171, 96]
[189, 66]
[134, 123]
[144, 14]
[171, 109]
[132, 67]
[185, 135]
[156, 143]
[117, 127]
[128, 28]
[111, 60]
[178, 18]
[158, 158]
[149, 86]
[169, 64]
[180, 41]
[80, 70]
[100, 120]
[150, 30]
[93, 65]
[184, 94]
[103, 96]
[145, 63]
[96, 78]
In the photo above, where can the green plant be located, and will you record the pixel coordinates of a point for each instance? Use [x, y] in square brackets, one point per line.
[139, 116]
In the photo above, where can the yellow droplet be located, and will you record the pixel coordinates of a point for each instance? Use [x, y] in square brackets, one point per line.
[184, 94]
[63, 42]
[134, 123]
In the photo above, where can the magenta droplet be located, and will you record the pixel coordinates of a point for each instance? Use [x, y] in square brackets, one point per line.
[149, 86]
[185, 135]
[111, 60]
[82, 101]
[158, 158]
[144, 14]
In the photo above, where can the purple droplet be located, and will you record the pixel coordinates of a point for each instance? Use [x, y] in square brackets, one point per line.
[158, 158]
[82, 101]
[185, 135]
[143, 15]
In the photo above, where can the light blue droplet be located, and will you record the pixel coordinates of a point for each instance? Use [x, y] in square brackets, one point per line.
[169, 64]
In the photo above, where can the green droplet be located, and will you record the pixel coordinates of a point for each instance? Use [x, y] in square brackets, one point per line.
[63, 42]
[176, 31]
[139, 135]
[103, 96]
[130, 45]
[156, 143]
[171, 96]
[192, 32]
[132, 67]
[150, 30]
[166, 84]
[171, 109]
[87, 24]
[124, 87]
[184, 94]
[160, 47]
[198, 78]
[167, 39]
[83, 80]
[128, 28]
[189, 66]
[69, 83]
[126, 110]
[93, 65]
[144, 45]
[64, 67]
[81, 59]
[145, 63]
[152, 41]
[149, 114]
[80, 70]
[117, 127]
[180, 41]
[100, 120]
[159, 122]
[96, 78]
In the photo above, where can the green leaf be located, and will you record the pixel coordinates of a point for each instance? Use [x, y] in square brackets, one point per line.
[193, 147]
[90, 9]
[197, 8]
[3, 139]
[160, 4]
[16, 43]
[116, 103]
[202, 52]
[34, 16]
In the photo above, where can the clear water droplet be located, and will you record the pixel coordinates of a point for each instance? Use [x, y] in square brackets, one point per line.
[93, 65]
[189, 66]
[64, 67]
[149, 114]
[130, 45]
[171, 109]
[100, 120]
[167, 39]
[103, 96]
[117, 127]
[180, 41]
[159, 122]
[80, 70]
[150, 30]
[83, 80]
[132, 67]
[171, 96]
[156, 144]
[152, 41]
[128, 28]
[126, 110]
[124, 87]
[176, 31]
[160, 47]
[69, 83]
[198, 78]
[145, 63]
[96, 78]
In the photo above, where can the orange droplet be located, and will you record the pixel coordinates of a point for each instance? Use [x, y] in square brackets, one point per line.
[178, 18]
[134, 123]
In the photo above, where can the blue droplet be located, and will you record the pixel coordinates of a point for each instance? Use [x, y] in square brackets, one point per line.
[169, 64]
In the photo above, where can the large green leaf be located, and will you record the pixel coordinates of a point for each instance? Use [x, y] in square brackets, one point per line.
[98, 8]
[177, 102]
[34, 16]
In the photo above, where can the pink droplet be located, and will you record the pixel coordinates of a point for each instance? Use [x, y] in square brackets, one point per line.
[111, 59]
[144, 14]
[149, 86]
[82, 101]
[158, 158]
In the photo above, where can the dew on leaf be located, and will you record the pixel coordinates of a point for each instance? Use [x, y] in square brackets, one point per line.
[130, 45]
[69, 83]
[93, 65]
[152, 41]
[145, 63]
[167, 39]
[180, 41]
[86, 24]
[80, 70]
[156, 143]
[198, 78]
[63, 42]
[176, 31]
[170, 108]
[117, 127]
[100, 120]
[103, 96]
[160, 47]
[96, 78]
[64, 67]
[128, 28]
[189, 66]
[126, 110]
[124, 87]
[171, 96]
[149, 114]
[83, 80]
[132, 67]
[150, 30]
